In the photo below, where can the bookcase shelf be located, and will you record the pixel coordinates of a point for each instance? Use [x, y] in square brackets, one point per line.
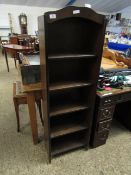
[67, 109]
[70, 59]
[71, 56]
[65, 129]
[68, 85]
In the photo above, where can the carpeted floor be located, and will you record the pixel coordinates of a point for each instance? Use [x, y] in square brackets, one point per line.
[18, 155]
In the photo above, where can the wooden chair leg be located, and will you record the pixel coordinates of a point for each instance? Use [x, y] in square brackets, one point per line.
[16, 105]
[40, 111]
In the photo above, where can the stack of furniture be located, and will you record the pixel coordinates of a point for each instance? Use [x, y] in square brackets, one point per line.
[19, 39]
[25, 40]
[71, 42]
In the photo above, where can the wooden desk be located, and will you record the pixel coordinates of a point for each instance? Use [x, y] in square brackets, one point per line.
[109, 103]
[13, 49]
[33, 92]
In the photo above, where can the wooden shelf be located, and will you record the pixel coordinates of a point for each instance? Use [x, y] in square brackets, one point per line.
[67, 145]
[64, 129]
[71, 56]
[66, 109]
[67, 85]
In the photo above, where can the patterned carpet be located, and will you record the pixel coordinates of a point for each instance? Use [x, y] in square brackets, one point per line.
[18, 155]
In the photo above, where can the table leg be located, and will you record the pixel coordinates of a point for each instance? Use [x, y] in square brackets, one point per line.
[6, 59]
[32, 114]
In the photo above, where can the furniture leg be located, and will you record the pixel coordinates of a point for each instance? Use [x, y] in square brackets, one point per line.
[32, 114]
[40, 111]
[6, 59]
[17, 114]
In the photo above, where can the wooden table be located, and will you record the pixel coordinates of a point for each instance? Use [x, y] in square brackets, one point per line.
[33, 92]
[13, 49]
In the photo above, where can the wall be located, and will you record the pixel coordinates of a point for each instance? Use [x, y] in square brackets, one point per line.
[31, 12]
[125, 13]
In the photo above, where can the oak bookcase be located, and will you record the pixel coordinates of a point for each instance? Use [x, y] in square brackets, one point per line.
[71, 43]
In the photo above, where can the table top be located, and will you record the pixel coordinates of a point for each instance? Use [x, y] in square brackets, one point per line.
[16, 47]
[32, 87]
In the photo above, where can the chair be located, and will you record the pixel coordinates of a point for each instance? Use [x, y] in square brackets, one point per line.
[21, 98]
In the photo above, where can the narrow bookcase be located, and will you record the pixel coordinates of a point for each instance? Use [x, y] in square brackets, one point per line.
[71, 43]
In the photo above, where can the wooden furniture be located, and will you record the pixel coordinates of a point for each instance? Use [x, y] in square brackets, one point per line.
[20, 39]
[71, 42]
[23, 23]
[32, 90]
[2, 43]
[14, 40]
[34, 93]
[114, 102]
[13, 49]
[21, 98]
[109, 104]
[30, 68]
[25, 40]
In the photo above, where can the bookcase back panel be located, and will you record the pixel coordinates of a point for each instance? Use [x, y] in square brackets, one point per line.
[72, 35]
[71, 70]
[77, 117]
[70, 97]
[68, 143]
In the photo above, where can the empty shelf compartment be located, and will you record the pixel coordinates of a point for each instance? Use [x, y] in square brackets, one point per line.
[69, 123]
[67, 143]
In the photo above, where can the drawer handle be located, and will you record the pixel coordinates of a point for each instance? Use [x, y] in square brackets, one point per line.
[106, 112]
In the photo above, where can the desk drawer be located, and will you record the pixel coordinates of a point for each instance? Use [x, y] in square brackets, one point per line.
[100, 138]
[104, 126]
[107, 101]
[106, 113]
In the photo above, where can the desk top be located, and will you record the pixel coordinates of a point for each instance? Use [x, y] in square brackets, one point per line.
[113, 91]
[16, 47]
[109, 64]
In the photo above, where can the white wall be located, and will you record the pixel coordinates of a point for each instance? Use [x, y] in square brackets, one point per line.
[125, 13]
[31, 12]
